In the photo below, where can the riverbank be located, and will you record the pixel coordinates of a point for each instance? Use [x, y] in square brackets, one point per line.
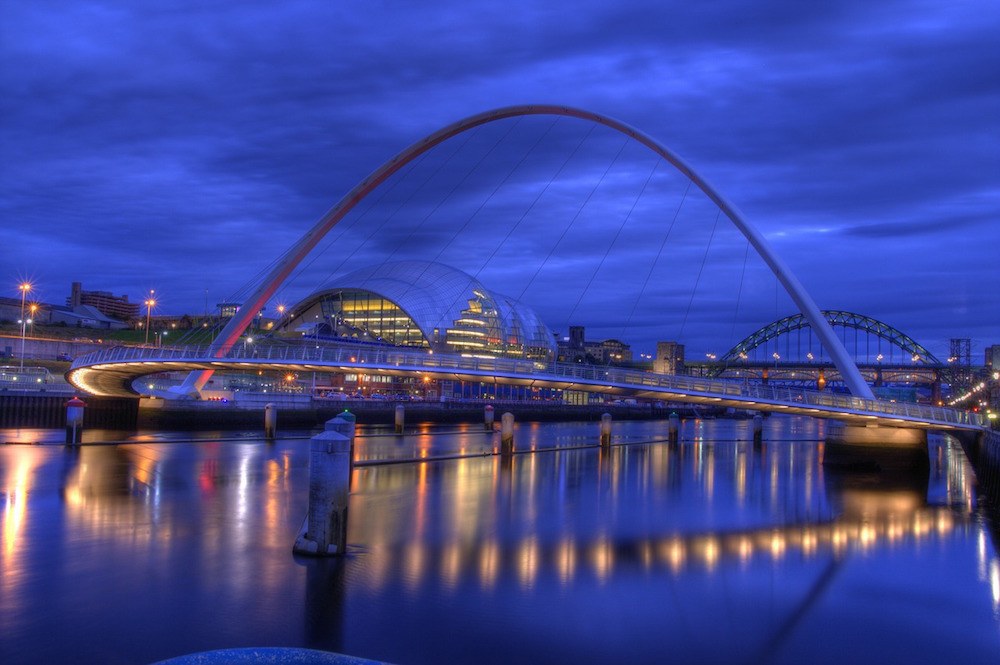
[47, 410]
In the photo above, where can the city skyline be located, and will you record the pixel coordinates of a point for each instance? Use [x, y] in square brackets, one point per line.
[184, 150]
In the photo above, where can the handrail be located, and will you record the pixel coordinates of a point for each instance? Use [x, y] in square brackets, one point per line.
[346, 355]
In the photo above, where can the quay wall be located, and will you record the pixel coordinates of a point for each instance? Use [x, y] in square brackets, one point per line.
[48, 410]
[39, 348]
[181, 416]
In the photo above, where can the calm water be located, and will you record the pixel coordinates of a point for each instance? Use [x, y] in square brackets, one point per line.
[711, 551]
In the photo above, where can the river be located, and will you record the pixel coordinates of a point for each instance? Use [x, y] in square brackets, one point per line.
[712, 550]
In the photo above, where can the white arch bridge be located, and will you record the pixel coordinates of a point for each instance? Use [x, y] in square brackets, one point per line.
[112, 371]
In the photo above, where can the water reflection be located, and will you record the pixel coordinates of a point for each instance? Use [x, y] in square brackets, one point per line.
[646, 540]
[572, 513]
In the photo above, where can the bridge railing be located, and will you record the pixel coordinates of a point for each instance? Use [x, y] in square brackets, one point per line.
[350, 356]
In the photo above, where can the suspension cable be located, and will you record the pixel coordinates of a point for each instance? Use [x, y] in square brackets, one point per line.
[704, 259]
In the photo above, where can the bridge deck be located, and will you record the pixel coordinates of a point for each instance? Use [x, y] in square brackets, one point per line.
[111, 371]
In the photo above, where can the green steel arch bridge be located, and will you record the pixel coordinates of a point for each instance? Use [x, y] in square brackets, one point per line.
[896, 357]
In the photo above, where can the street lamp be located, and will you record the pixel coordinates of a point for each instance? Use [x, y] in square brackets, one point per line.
[150, 303]
[24, 288]
[24, 323]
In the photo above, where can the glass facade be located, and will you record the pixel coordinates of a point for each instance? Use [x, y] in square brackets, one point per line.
[422, 304]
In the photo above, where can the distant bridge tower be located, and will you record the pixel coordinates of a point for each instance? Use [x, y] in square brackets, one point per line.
[960, 351]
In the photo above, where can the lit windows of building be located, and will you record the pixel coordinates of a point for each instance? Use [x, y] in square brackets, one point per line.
[421, 304]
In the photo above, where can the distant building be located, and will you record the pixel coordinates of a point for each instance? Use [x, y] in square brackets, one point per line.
[227, 310]
[10, 310]
[83, 316]
[610, 351]
[576, 349]
[424, 305]
[669, 358]
[992, 358]
[116, 307]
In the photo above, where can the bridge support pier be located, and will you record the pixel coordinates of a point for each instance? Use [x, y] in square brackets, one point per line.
[270, 421]
[324, 532]
[507, 434]
[758, 429]
[875, 448]
[606, 430]
[400, 418]
[673, 424]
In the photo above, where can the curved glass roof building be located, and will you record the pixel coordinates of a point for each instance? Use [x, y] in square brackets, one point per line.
[424, 304]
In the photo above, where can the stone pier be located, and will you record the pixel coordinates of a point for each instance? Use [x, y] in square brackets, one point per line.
[875, 448]
[324, 532]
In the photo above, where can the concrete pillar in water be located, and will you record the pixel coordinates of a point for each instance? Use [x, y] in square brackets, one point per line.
[876, 448]
[324, 532]
[672, 428]
[74, 420]
[400, 418]
[606, 430]
[758, 429]
[507, 433]
[270, 420]
[488, 417]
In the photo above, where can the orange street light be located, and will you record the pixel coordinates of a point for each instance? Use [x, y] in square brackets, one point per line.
[150, 303]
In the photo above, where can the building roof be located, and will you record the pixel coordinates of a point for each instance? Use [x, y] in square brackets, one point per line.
[434, 296]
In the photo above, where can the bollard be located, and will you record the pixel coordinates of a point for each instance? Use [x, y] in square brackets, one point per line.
[488, 417]
[758, 429]
[270, 420]
[606, 430]
[74, 420]
[324, 531]
[507, 433]
[400, 418]
[672, 428]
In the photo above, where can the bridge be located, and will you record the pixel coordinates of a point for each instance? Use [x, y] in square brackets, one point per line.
[785, 352]
[110, 372]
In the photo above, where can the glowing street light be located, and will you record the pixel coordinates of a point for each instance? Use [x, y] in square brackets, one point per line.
[24, 288]
[150, 303]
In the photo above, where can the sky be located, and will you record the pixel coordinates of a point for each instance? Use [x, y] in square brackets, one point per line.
[183, 146]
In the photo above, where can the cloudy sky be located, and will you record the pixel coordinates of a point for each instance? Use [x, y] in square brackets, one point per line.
[183, 146]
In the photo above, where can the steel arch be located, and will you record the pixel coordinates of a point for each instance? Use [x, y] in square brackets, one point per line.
[284, 266]
[834, 317]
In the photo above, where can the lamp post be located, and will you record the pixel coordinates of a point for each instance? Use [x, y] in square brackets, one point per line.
[150, 302]
[24, 288]
[23, 324]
